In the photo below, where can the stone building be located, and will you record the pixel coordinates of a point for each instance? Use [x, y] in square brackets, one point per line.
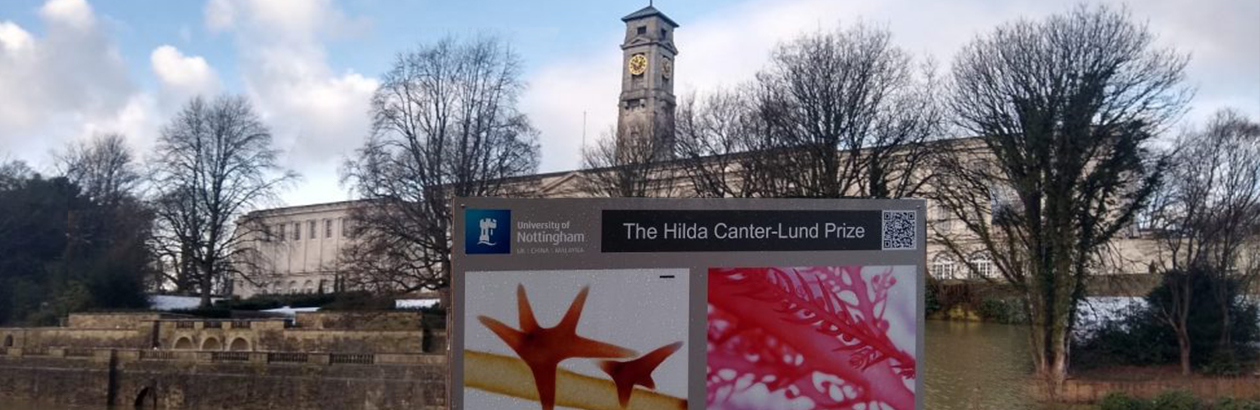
[306, 261]
[646, 106]
[295, 249]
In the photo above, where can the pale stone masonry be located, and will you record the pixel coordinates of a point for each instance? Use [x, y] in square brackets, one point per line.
[305, 261]
[332, 332]
[299, 249]
[354, 361]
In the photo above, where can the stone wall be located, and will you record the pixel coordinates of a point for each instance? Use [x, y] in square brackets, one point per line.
[346, 341]
[122, 320]
[385, 320]
[367, 333]
[204, 380]
[65, 337]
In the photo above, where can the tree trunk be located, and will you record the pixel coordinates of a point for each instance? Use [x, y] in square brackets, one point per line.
[1222, 299]
[1183, 341]
[205, 282]
[1056, 371]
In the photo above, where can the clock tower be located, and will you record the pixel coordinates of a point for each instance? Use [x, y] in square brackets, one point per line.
[646, 109]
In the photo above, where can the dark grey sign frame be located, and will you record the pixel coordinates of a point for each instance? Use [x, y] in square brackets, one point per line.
[585, 216]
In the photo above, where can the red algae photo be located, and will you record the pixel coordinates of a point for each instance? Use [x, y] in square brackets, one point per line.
[811, 338]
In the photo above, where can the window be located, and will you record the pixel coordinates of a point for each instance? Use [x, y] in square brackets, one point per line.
[641, 30]
[310, 229]
[1003, 204]
[941, 218]
[944, 267]
[328, 228]
[297, 231]
[266, 233]
[983, 265]
[280, 234]
[664, 34]
[347, 227]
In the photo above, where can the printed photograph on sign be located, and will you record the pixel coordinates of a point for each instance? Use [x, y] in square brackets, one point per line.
[824, 337]
[581, 339]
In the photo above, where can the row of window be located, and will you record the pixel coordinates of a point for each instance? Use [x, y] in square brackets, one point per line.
[293, 286]
[1002, 202]
[642, 31]
[943, 220]
[286, 231]
[944, 266]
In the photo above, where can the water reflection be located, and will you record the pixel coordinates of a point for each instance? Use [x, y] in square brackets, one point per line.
[978, 366]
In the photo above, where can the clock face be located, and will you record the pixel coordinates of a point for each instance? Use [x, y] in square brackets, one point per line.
[667, 68]
[638, 64]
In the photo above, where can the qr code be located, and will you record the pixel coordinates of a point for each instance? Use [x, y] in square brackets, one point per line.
[899, 230]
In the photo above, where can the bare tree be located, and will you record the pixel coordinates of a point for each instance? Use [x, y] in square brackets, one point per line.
[1064, 108]
[722, 146]
[104, 168]
[846, 116]
[624, 167]
[13, 172]
[444, 125]
[213, 163]
[1206, 216]
[106, 172]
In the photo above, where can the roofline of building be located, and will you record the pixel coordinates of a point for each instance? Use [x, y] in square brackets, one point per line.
[300, 208]
[649, 11]
[538, 176]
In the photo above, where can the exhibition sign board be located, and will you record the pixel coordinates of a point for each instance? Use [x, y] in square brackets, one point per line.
[687, 303]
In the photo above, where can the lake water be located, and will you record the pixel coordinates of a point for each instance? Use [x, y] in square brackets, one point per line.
[978, 366]
[969, 366]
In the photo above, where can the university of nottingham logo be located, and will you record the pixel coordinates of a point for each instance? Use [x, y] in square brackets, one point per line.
[487, 231]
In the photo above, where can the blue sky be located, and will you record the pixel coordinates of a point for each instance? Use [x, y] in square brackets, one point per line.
[73, 68]
[556, 29]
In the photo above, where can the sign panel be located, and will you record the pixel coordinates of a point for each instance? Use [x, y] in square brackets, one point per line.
[687, 303]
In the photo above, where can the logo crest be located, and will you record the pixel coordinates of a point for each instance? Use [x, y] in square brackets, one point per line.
[487, 231]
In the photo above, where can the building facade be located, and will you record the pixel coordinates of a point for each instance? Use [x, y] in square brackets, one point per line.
[645, 116]
[294, 249]
[300, 245]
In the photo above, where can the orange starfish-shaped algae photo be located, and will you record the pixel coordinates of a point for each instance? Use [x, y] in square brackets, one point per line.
[543, 349]
[637, 371]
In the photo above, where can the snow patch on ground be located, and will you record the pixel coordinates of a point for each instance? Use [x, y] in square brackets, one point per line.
[415, 303]
[291, 311]
[168, 303]
[1104, 308]
[1096, 310]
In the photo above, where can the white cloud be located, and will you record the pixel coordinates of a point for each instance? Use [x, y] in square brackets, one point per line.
[13, 39]
[318, 116]
[66, 84]
[185, 76]
[219, 14]
[76, 13]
